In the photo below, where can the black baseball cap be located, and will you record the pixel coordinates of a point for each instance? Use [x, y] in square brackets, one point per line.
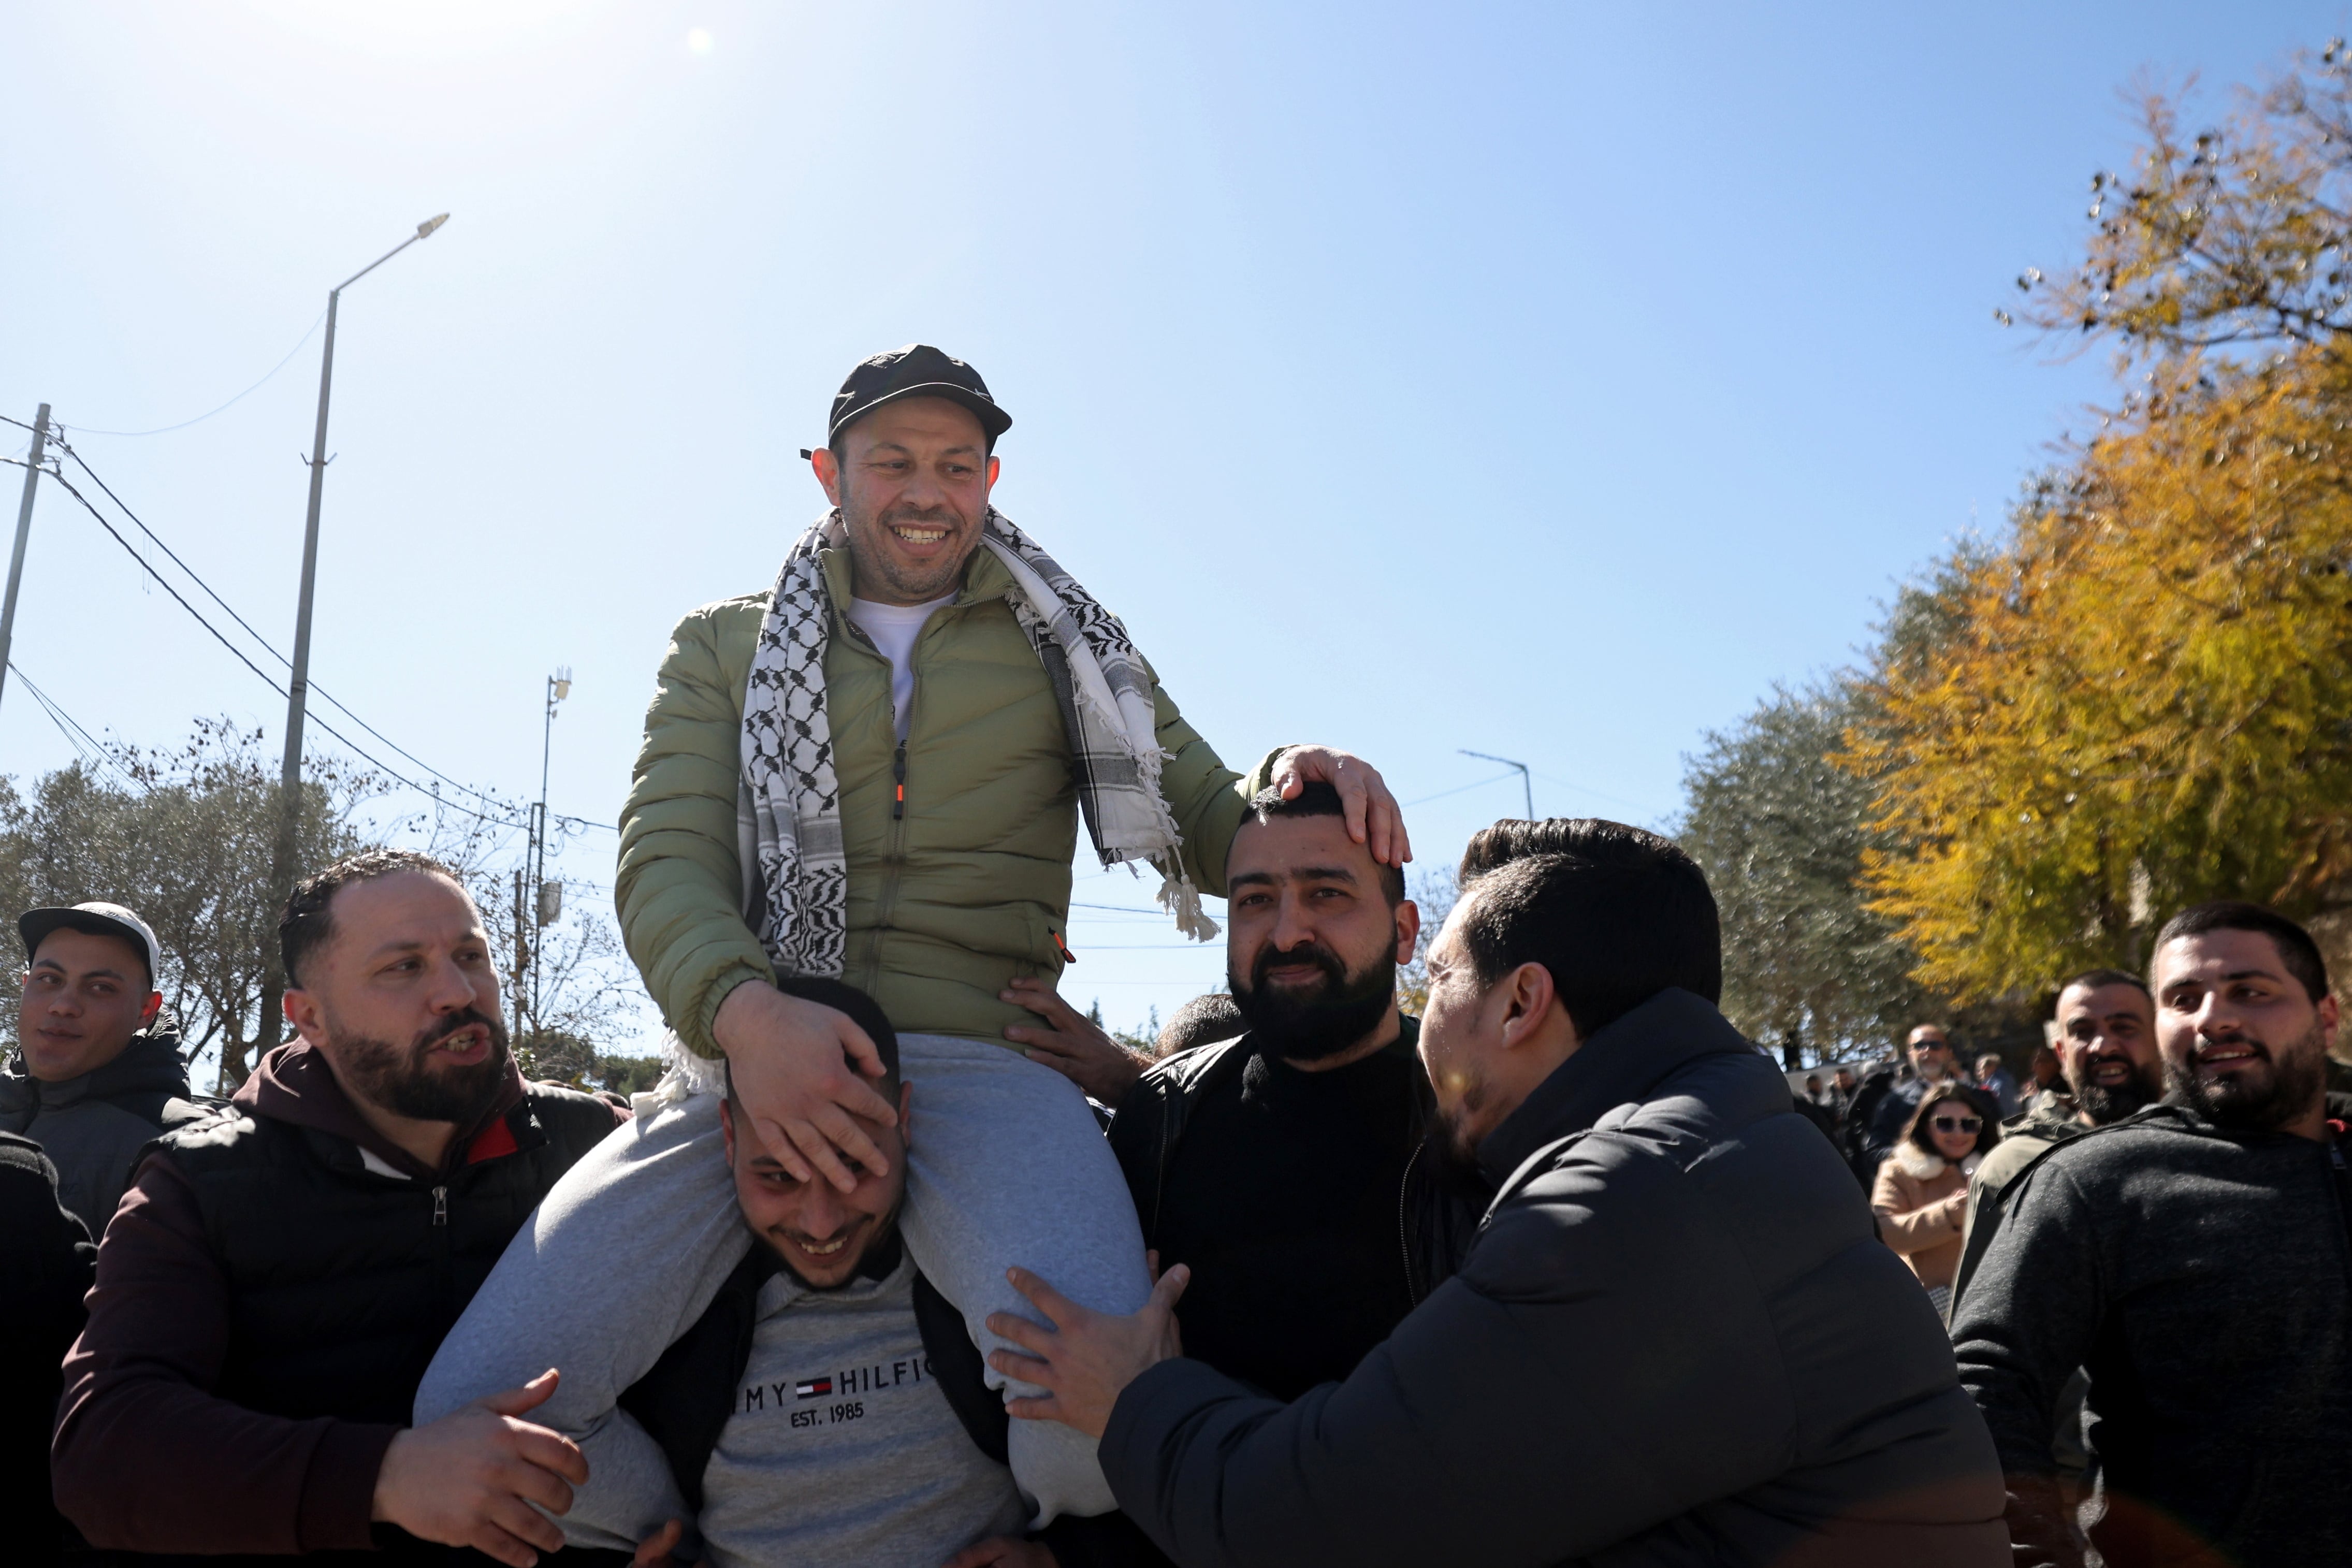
[918, 370]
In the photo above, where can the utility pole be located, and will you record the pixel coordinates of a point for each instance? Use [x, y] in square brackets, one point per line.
[547, 898]
[1526, 778]
[298, 686]
[24, 531]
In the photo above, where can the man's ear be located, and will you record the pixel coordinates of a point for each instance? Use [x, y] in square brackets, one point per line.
[1408, 929]
[154, 1006]
[995, 465]
[302, 1011]
[2328, 1020]
[1529, 999]
[828, 473]
[906, 1128]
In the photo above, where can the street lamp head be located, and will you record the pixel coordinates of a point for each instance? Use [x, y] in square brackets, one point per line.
[424, 230]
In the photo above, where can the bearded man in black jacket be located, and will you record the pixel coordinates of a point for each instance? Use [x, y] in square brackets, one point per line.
[1675, 1338]
[2194, 1259]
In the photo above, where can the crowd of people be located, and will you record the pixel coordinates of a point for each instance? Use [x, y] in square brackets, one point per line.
[906, 1262]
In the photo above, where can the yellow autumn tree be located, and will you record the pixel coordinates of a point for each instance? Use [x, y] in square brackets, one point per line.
[2142, 697]
[2144, 700]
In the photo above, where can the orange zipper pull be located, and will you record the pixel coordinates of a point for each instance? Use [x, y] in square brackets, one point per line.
[1067, 956]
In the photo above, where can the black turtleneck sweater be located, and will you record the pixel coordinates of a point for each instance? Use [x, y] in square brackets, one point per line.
[1283, 1198]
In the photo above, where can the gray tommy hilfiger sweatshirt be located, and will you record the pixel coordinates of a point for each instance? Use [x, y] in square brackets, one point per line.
[841, 1448]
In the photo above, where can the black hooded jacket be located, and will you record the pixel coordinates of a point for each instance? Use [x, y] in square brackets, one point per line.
[93, 1127]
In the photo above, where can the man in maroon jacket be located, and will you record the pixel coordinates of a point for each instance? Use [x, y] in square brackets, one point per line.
[280, 1275]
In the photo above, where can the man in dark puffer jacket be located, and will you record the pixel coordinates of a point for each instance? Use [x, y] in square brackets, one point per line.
[1676, 1339]
[279, 1276]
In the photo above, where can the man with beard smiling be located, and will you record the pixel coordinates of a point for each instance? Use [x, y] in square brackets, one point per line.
[278, 1276]
[2106, 1035]
[2195, 1259]
[1273, 1166]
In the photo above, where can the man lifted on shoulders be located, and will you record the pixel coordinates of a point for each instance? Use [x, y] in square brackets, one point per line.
[876, 771]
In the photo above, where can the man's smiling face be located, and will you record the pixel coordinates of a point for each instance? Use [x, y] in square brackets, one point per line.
[912, 482]
[2242, 1041]
[818, 1233]
[2106, 1043]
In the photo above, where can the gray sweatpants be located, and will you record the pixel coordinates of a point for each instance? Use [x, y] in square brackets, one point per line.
[1004, 1166]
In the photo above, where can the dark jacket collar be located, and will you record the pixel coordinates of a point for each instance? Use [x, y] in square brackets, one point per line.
[293, 1084]
[150, 1062]
[1625, 1061]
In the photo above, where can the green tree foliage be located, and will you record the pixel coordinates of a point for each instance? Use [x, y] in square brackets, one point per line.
[1781, 832]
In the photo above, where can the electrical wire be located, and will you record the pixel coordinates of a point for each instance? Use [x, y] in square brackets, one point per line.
[372, 761]
[87, 745]
[507, 814]
[1457, 789]
[250, 631]
[257, 387]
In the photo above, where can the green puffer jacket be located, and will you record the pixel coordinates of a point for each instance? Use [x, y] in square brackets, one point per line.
[947, 903]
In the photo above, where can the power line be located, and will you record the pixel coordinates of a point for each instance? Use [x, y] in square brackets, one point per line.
[371, 760]
[257, 636]
[1457, 789]
[232, 402]
[507, 815]
[87, 745]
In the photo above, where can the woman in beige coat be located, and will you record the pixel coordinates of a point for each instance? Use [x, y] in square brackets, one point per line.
[1922, 1193]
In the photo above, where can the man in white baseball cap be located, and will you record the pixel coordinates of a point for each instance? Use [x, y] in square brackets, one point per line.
[97, 1072]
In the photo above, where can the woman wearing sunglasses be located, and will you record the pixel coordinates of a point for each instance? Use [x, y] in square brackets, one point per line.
[1922, 1193]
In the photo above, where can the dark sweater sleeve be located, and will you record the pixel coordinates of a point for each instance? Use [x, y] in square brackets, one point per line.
[2027, 1323]
[146, 1457]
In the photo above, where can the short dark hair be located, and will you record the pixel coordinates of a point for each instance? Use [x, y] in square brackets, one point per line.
[1621, 916]
[1202, 1021]
[2297, 953]
[1918, 1134]
[1515, 838]
[309, 921]
[2092, 979]
[863, 1010]
[1319, 799]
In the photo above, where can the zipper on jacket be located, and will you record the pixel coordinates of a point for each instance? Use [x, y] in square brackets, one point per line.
[898, 776]
[441, 1206]
[1404, 1237]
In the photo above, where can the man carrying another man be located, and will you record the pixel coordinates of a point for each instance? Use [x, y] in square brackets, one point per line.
[97, 1075]
[875, 771]
[1649, 1352]
[280, 1274]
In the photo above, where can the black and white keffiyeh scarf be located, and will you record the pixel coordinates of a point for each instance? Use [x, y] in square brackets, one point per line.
[796, 797]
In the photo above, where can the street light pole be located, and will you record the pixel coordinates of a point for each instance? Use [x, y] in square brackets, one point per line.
[298, 686]
[1524, 777]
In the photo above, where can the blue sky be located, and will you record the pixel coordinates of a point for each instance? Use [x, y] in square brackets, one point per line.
[1547, 381]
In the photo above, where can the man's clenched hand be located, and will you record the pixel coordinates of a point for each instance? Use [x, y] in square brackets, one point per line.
[1374, 819]
[469, 1479]
[1070, 1044]
[791, 1060]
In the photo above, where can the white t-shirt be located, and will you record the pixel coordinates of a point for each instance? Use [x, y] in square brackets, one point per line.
[894, 629]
